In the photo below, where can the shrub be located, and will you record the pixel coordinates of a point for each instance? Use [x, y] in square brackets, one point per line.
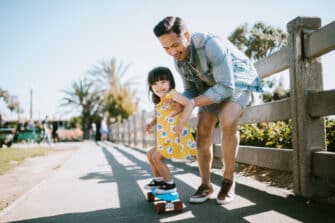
[330, 133]
[267, 134]
[279, 134]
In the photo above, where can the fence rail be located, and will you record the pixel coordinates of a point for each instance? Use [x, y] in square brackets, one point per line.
[306, 106]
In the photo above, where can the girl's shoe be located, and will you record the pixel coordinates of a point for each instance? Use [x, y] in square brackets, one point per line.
[153, 184]
[166, 188]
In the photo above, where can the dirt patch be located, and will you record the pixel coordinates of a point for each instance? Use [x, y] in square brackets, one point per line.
[277, 178]
[30, 172]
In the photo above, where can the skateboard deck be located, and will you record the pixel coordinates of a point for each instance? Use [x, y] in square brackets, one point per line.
[165, 202]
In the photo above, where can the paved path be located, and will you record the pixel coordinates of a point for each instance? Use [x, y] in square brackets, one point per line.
[104, 183]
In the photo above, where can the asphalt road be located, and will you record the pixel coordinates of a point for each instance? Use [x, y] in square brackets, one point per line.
[104, 183]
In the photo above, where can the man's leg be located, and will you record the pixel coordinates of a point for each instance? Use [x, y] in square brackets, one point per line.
[229, 122]
[230, 115]
[206, 124]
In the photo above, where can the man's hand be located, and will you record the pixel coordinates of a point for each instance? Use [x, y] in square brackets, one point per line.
[179, 128]
[175, 106]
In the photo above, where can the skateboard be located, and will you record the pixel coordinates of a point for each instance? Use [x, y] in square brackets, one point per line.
[165, 202]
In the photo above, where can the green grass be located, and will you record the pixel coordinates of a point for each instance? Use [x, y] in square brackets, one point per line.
[12, 157]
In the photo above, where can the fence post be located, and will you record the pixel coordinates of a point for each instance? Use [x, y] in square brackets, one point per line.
[111, 132]
[117, 138]
[135, 128]
[125, 131]
[129, 129]
[307, 132]
[122, 131]
[217, 161]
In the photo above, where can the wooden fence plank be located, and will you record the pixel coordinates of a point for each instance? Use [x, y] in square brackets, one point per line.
[272, 111]
[323, 164]
[278, 159]
[321, 103]
[273, 64]
[321, 41]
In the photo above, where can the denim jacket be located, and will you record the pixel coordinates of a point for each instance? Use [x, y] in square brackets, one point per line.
[216, 68]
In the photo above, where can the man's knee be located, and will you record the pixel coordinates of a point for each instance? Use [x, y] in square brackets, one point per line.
[229, 125]
[204, 130]
[229, 128]
[205, 153]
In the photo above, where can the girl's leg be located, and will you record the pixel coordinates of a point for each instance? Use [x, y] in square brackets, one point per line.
[150, 158]
[160, 166]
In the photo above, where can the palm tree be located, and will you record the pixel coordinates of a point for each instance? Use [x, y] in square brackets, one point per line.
[12, 102]
[84, 98]
[109, 77]
[259, 41]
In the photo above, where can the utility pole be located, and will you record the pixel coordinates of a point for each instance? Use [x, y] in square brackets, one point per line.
[31, 104]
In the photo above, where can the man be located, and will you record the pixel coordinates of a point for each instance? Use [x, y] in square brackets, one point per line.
[219, 79]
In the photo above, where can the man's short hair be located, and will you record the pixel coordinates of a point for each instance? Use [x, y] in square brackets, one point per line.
[170, 24]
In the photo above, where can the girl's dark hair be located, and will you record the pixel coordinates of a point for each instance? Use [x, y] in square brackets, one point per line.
[170, 24]
[159, 74]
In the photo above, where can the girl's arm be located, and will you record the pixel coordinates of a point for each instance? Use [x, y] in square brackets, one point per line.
[188, 107]
[148, 126]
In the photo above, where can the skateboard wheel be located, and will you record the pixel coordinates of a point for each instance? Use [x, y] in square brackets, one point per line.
[160, 208]
[150, 197]
[178, 206]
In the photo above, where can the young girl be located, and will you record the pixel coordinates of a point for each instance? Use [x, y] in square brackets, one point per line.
[173, 137]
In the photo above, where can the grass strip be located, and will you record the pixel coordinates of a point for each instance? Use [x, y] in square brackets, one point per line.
[12, 157]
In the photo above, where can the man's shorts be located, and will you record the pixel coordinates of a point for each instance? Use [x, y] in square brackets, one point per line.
[241, 97]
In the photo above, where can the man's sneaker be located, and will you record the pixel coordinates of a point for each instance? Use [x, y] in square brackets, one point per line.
[166, 188]
[227, 192]
[202, 194]
[153, 184]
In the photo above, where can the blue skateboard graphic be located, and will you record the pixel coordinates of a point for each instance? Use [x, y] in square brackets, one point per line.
[165, 202]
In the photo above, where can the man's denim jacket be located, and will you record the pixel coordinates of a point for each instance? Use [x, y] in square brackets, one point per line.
[216, 68]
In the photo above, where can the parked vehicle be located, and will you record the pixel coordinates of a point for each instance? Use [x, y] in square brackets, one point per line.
[30, 135]
[7, 136]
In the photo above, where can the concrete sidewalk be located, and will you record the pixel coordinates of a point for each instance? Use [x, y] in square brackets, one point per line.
[104, 183]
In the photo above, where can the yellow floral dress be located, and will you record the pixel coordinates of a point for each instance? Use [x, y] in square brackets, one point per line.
[169, 144]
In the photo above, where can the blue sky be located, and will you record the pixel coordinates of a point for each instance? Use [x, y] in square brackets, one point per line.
[46, 45]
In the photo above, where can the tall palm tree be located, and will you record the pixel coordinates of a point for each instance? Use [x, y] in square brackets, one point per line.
[11, 101]
[84, 98]
[259, 41]
[110, 77]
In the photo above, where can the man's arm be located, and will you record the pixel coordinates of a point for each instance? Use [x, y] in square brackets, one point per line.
[202, 100]
[187, 111]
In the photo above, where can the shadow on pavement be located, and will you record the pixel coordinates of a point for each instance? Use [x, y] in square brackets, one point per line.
[135, 208]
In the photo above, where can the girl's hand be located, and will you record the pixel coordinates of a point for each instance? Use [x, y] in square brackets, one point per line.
[147, 127]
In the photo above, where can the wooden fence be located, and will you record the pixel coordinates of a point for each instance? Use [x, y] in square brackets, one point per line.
[312, 166]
